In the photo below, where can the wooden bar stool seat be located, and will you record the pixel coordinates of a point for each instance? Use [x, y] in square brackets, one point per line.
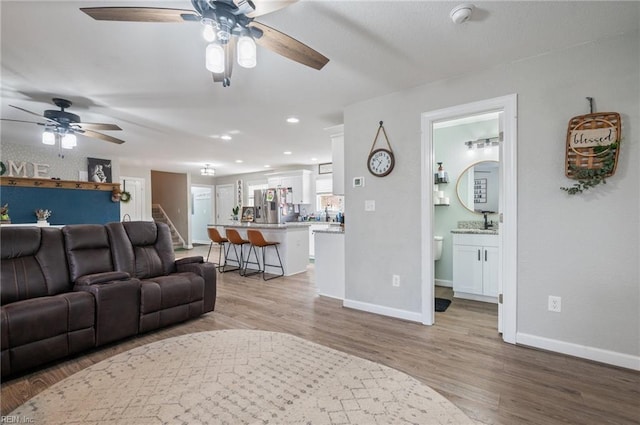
[257, 241]
[217, 238]
[235, 240]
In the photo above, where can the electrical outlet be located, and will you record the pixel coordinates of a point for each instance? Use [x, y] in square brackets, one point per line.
[396, 280]
[555, 304]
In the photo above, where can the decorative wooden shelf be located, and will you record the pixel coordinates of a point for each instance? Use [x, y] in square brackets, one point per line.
[56, 184]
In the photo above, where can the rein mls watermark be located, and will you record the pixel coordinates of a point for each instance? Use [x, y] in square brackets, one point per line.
[16, 419]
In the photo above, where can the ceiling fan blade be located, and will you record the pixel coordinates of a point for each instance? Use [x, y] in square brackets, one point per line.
[266, 6]
[96, 135]
[140, 14]
[27, 111]
[289, 47]
[49, 120]
[97, 126]
[28, 122]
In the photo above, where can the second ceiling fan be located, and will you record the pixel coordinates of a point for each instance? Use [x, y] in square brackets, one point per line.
[230, 29]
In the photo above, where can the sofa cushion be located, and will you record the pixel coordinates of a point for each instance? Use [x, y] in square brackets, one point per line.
[164, 292]
[40, 330]
[33, 263]
[88, 250]
[142, 248]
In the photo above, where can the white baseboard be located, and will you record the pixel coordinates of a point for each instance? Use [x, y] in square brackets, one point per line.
[591, 353]
[441, 282]
[384, 311]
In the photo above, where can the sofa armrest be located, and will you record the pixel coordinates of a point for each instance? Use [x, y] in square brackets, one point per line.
[190, 260]
[117, 307]
[208, 272]
[98, 278]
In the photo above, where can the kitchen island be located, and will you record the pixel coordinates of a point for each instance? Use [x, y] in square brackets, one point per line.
[293, 248]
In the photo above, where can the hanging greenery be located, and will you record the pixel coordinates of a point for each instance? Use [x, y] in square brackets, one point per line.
[3, 168]
[592, 177]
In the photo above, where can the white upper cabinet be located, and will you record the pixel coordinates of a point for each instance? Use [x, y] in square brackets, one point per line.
[298, 181]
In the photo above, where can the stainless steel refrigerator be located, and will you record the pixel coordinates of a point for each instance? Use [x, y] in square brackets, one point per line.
[271, 206]
[266, 206]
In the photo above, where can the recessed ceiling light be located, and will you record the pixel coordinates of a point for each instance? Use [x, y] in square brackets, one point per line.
[287, 152]
[267, 166]
[225, 137]
[239, 161]
[314, 159]
[293, 120]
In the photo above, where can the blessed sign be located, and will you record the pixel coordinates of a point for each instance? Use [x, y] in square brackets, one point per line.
[587, 135]
[588, 138]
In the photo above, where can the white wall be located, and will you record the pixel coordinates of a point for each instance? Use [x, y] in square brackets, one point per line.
[584, 248]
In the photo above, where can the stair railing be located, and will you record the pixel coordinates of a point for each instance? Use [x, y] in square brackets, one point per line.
[170, 223]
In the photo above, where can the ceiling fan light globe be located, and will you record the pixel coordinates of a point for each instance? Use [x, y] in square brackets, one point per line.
[209, 33]
[247, 55]
[215, 59]
[68, 141]
[48, 137]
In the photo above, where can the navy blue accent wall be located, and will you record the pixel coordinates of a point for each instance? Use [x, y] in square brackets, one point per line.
[68, 206]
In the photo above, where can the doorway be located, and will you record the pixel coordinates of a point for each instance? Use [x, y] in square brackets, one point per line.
[202, 208]
[507, 216]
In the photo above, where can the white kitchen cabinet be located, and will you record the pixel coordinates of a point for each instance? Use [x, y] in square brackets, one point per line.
[475, 267]
[298, 181]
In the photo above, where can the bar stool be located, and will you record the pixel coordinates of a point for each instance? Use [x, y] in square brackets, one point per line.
[257, 241]
[236, 240]
[215, 237]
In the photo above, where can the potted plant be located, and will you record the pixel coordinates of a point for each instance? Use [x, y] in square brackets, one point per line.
[235, 210]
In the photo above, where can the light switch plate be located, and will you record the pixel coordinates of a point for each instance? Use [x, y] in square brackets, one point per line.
[370, 205]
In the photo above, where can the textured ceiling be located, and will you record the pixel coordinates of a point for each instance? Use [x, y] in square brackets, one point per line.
[150, 78]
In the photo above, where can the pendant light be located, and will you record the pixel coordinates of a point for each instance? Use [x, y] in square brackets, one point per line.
[207, 171]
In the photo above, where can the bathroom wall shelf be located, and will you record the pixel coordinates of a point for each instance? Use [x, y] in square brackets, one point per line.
[56, 184]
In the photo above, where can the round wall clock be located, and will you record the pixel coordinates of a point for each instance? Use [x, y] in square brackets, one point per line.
[381, 162]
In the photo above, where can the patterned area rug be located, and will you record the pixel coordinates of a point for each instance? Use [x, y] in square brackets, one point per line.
[239, 377]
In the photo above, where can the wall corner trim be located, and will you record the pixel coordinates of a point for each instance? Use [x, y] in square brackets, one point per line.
[614, 358]
[413, 316]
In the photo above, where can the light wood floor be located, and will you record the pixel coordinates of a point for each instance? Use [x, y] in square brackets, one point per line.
[462, 356]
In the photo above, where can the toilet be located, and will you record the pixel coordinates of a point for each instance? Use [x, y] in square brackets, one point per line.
[437, 247]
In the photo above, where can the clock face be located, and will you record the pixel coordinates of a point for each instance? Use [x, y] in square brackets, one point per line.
[381, 162]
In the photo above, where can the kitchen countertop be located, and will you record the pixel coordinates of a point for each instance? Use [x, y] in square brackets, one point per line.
[476, 231]
[339, 230]
[263, 225]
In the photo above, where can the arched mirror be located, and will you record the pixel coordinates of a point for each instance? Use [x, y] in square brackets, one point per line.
[478, 187]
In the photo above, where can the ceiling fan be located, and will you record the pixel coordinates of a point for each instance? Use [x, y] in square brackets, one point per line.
[62, 126]
[230, 29]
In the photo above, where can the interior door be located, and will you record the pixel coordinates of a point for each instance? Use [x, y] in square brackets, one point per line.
[225, 202]
[134, 209]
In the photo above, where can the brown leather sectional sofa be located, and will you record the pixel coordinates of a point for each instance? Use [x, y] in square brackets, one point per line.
[67, 290]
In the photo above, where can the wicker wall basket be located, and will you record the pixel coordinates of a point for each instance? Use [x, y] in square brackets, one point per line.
[590, 138]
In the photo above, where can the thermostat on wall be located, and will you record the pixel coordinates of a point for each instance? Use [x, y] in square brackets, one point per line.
[358, 182]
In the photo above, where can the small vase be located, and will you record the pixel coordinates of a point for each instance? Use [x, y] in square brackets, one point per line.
[42, 223]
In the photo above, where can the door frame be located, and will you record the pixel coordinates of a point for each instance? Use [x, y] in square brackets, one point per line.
[508, 234]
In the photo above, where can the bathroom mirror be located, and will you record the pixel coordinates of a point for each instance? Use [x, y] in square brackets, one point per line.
[478, 187]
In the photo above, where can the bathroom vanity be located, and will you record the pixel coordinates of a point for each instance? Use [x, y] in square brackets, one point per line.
[475, 264]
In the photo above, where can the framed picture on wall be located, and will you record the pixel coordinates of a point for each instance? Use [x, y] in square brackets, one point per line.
[247, 214]
[99, 170]
[326, 168]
